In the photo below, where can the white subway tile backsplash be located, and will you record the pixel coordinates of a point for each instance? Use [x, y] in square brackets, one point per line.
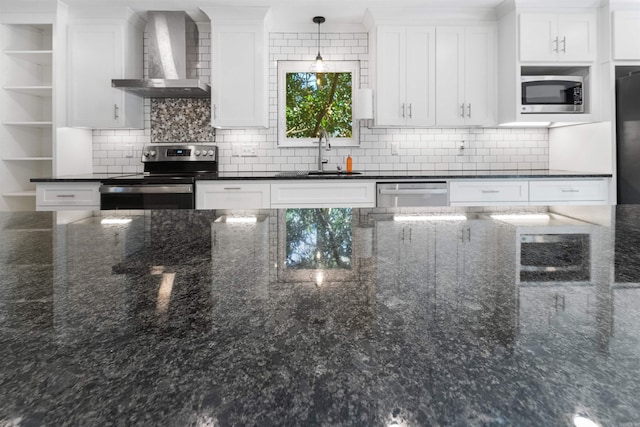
[430, 149]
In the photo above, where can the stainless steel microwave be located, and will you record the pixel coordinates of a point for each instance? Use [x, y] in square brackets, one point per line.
[552, 94]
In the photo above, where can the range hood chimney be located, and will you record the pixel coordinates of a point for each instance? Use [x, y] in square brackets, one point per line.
[173, 52]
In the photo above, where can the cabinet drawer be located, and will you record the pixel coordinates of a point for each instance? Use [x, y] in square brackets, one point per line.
[488, 192]
[232, 195]
[587, 191]
[323, 195]
[61, 196]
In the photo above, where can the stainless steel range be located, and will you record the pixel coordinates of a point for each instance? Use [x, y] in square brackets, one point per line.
[168, 181]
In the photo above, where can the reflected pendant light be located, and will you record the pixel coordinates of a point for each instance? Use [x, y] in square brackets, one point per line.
[319, 65]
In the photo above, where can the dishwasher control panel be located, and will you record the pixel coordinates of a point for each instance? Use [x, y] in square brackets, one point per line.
[411, 194]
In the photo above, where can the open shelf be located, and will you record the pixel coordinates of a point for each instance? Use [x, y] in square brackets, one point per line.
[26, 97]
[26, 193]
[41, 91]
[27, 159]
[38, 57]
[30, 124]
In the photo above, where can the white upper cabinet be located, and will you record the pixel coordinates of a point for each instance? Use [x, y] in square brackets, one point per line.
[626, 35]
[100, 50]
[465, 75]
[551, 37]
[239, 66]
[405, 76]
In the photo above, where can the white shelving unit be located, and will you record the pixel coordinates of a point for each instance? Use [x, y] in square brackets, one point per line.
[26, 111]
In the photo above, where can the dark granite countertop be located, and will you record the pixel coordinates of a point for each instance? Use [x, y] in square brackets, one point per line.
[409, 174]
[317, 318]
[377, 175]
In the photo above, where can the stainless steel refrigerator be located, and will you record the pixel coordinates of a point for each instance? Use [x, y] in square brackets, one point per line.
[628, 138]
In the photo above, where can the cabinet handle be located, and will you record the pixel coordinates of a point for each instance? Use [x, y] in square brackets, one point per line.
[402, 110]
[232, 188]
[569, 190]
[66, 195]
[469, 110]
[116, 114]
[555, 44]
[564, 44]
[490, 191]
[410, 111]
[462, 110]
[215, 111]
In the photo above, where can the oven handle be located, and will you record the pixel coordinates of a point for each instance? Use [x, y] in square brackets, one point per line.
[147, 189]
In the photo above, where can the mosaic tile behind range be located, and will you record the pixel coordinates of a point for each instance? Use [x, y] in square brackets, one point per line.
[181, 120]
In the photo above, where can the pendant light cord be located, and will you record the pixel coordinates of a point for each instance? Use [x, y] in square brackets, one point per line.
[318, 20]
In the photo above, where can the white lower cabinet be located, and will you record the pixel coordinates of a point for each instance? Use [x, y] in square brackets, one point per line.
[583, 191]
[232, 195]
[327, 194]
[59, 196]
[490, 192]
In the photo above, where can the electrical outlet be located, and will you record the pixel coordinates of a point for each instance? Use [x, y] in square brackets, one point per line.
[249, 150]
[395, 146]
[129, 150]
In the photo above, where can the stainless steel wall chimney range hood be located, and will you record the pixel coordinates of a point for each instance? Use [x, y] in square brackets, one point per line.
[173, 52]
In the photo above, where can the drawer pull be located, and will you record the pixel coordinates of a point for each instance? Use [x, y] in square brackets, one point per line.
[570, 190]
[490, 191]
[66, 195]
[232, 188]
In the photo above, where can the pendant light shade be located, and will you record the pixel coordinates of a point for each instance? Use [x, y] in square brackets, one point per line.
[319, 66]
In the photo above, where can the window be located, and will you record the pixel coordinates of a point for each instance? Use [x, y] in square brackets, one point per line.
[309, 102]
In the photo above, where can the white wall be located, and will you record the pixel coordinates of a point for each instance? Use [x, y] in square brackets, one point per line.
[425, 149]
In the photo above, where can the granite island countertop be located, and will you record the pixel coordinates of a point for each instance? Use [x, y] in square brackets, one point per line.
[362, 174]
[314, 317]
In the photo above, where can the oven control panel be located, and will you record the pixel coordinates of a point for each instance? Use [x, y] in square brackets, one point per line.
[179, 153]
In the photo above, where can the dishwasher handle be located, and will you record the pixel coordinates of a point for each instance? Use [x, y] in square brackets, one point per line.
[412, 191]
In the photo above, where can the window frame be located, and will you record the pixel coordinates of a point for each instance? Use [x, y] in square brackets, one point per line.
[285, 67]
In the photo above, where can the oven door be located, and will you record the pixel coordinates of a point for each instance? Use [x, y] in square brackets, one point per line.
[555, 258]
[552, 94]
[147, 196]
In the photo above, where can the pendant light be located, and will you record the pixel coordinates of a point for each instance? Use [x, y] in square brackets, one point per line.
[319, 66]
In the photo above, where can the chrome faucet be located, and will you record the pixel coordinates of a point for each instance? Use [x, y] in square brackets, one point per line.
[322, 134]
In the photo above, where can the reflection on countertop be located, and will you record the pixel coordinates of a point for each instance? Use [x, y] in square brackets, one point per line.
[314, 317]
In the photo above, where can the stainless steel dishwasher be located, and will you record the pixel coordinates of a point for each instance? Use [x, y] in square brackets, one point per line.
[407, 194]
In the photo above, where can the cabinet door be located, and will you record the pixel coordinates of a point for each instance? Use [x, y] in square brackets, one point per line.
[626, 33]
[538, 37]
[96, 55]
[232, 195]
[488, 192]
[479, 76]
[420, 76]
[450, 76]
[238, 74]
[577, 37]
[330, 194]
[67, 196]
[391, 76]
[568, 191]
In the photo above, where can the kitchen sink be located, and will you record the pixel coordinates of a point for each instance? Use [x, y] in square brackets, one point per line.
[333, 173]
[316, 173]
